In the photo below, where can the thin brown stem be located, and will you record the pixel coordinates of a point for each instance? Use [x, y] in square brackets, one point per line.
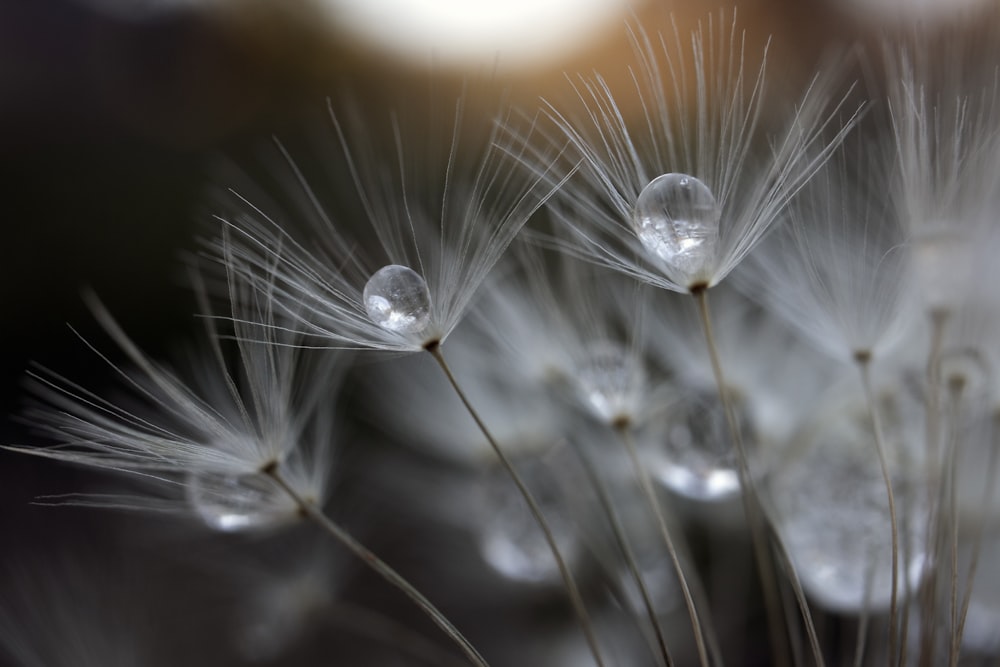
[380, 567]
[618, 532]
[751, 501]
[928, 601]
[865, 620]
[646, 485]
[977, 539]
[864, 366]
[954, 406]
[576, 599]
[800, 598]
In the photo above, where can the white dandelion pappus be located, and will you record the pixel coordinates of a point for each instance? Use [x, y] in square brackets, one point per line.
[438, 240]
[440, 229]
[679, 198]
[947, 144]
[838, 269]
[213, 438]
[568, 326]
[405, 392]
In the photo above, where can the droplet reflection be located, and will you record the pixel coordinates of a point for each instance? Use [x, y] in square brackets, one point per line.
[676, 218]
[396, 298]
[232, 503]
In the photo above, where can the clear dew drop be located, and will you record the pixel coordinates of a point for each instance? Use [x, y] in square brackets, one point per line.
[609, 382]
[233, 503]
[396, 298]
[831, 508]
[511, 541]
[676, 218]
[695, 455]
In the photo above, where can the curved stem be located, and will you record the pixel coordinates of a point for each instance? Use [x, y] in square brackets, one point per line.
[934, 537]
[618, 531]
[955, 391]
[800, 597]
[310, 509]
[751, 501]
[649, 493]
[977, 540]
[571, 587]
[865, 620]
[864, 365]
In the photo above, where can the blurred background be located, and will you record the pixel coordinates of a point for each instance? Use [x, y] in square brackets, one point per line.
[114, 113]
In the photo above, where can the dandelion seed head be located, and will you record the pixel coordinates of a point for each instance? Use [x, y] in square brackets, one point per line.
[396, 298]
[609, 380]
[676, 218]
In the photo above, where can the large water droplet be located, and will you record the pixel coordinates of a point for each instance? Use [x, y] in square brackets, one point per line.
[396, 298]
[696, 455]
[830, 506]
[232, 503]
[676, 218]
[510, 539]
[609, 382]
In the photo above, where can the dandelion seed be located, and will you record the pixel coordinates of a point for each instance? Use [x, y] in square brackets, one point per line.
[396, 298]
[839, 270]
[675, 202]
[943, 118]
[453, 234]
[439, 231]
[212, 438]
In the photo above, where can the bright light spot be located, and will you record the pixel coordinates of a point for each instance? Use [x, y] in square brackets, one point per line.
[514, 33]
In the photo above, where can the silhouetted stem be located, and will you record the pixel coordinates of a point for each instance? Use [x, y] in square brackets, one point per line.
[310, 509]
[621, 540]
[650, 494]
[571, 588]
[928, 601]
[864, 365]
[751, 501]
[977, 540]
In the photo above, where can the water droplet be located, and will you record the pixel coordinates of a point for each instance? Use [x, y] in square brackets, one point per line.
[676, 218]
[232, 503]
[511, 541]
[610, 382]
[396, 298]
[695, 455]
[831, 507]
